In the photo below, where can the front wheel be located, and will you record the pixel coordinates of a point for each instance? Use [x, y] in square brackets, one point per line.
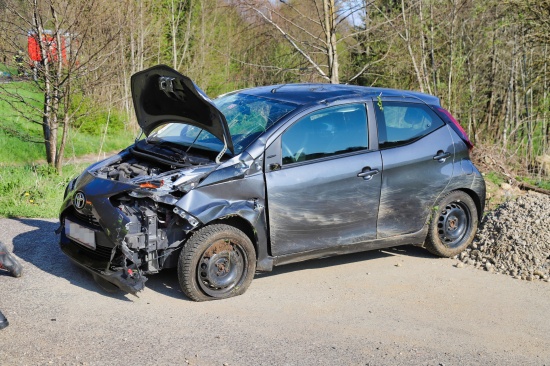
[217, 262]
[453, 225]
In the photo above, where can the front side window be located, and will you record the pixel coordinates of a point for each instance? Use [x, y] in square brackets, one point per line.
[402, 123]
[324, 133]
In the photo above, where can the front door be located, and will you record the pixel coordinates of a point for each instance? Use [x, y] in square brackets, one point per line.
[325, 190]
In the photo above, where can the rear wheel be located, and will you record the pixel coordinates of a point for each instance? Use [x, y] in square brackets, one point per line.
[217, 262]
[453, 225]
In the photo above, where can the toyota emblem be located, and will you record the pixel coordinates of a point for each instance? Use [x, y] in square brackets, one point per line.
[79, 200]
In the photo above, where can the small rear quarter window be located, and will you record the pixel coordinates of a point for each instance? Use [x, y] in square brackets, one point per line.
[402, 123]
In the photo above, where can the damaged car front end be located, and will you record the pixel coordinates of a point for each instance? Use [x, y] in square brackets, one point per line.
[120, 221]
[129, 215]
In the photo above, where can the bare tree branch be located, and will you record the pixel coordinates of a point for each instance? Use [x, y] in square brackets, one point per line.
[296, 47]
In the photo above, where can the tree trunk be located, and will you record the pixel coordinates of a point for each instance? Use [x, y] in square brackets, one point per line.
[187, 36]
[407, 39]
[545, 104]
[49, 130]
[424, 53]
[509, 104]
[432, 52]
[330, 36]
[451, 56]
[489, 113]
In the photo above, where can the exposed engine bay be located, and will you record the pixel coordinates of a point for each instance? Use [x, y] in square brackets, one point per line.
[125, 172]
[154, 228]
[148, 161]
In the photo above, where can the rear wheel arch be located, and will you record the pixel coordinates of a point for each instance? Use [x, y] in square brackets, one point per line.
[476, 200]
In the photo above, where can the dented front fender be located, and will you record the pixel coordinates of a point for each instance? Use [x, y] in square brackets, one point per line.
[244, 197]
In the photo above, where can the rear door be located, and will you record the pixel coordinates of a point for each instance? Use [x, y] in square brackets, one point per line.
[323, 182]
[417, 157]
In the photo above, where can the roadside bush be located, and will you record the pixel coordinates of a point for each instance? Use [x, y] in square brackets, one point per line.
[95, 119]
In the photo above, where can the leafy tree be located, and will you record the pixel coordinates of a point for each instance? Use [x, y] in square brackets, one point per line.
[72, 40]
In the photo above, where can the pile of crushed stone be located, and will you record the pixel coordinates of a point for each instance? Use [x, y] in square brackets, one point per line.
[514, 239]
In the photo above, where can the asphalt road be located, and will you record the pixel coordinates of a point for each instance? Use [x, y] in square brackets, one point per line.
[393, 307]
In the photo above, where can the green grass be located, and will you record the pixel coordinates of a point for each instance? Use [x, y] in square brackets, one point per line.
[12, 70]
[34, 190]
[495, 178]
[541, 183]
[81, 144]
[17, 133]
[28, 186]
[21, 140]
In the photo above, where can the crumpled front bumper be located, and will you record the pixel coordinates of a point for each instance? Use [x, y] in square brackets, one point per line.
[131, 281]
[110, 230]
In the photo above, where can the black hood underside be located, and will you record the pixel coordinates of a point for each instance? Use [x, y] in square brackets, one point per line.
[162, 95]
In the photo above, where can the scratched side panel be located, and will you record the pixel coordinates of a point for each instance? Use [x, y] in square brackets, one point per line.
[323, 204]
[466, 177]
[411, 182]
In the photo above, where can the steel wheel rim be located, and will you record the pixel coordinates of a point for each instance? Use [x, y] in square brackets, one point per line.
[453, 224]
[221, 267]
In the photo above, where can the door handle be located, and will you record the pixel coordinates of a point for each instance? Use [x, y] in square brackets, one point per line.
[367, 173]
[441, 156]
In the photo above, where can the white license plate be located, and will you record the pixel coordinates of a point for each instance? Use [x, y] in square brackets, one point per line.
[80, 233]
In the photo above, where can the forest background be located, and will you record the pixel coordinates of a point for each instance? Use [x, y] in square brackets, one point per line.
[486, 60]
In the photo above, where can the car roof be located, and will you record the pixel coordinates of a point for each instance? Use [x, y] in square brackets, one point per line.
[304, 94]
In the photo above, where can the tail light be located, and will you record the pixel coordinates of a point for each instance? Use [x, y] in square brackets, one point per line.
[451, 121]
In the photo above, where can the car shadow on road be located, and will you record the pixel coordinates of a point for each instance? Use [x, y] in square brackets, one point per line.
[410, 251]
[406, 250]
[39, 246]
[166, 283]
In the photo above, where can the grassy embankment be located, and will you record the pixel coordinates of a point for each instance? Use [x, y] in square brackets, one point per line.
[28, 186]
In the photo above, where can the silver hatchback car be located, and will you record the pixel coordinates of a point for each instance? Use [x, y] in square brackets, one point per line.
[266, 176]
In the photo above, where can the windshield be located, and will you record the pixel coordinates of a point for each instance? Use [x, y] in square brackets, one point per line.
[247, 117]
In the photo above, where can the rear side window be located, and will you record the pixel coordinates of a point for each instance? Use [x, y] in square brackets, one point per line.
[402, 123]
[330, 131]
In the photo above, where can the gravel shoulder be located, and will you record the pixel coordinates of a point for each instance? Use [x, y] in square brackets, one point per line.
[392, 307]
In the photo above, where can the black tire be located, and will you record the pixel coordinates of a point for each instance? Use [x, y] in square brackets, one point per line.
[217, 262]
[453, 224]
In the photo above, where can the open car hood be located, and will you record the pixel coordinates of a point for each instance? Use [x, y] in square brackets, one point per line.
[162, 95]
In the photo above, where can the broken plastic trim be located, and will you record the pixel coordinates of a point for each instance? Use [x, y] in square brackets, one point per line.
[184, 215]
[131, 282]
